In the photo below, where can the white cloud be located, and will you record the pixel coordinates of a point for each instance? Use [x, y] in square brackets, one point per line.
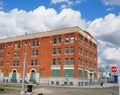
[78, 1]
[109, 9]
[59, 1]
[111, 2]
[66, 3]
[63, 6]
[112, 53]
[103, 26]
[17, 22]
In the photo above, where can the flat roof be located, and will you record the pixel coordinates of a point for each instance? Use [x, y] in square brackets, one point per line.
[49, 33]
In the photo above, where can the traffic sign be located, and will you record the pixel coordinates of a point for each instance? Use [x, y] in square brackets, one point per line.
[113, 69]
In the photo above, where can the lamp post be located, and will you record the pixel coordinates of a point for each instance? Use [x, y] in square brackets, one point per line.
[24, 70]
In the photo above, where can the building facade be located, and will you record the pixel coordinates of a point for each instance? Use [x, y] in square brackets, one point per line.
[68, 52]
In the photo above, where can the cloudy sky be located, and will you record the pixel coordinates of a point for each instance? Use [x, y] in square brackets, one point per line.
[102, 18]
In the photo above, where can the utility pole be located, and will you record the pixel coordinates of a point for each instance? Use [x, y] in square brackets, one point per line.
[24, 70]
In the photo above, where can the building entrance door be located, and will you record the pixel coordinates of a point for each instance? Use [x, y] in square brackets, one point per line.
[32, 76]
[14, 74]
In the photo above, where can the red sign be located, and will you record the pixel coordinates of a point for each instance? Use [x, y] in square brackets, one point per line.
[113, 69]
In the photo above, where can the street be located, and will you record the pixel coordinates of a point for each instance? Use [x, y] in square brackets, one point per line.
[53, 90]
[77, 91]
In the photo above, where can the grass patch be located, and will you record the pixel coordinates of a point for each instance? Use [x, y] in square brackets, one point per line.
[7, 90]
[13, 87]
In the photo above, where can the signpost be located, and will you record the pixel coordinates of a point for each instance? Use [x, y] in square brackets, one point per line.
[114, 70]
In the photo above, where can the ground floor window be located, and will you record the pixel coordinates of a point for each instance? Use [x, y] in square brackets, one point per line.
[55, 72]
[80, 73]
[86, 74]
[68, 72]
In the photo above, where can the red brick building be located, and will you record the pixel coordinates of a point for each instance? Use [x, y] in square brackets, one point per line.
[68, 52]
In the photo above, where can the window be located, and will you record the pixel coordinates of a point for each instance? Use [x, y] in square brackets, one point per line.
[67, 40]
[2, 55]
[59, 50]
[54, 51]
[80, 40]
[34, 62]
[37, 52]
[95, 57]
[54, 41]
[33, 43]
[7, 62]
[1, 64]
[16, 54]
[95, 66]
[85, 63]
[7, 73]
[66, 50]
[80, 62]
[2, 47]
[90, 55]
[16, 63]
[37, 43]
[80, 51]
[85, 53]
[26, 43]
[54, 62]
[17, 45]
[72, 39]
[71, 49]
[8, 53]
[66, 61]
[34, 52]
[59, 40]
[71, 61]
[58, 61]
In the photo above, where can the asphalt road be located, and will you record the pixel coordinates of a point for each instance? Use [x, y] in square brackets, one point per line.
[71, 91]
[77, 91]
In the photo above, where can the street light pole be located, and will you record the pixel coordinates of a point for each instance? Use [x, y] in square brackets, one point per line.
[24, 70]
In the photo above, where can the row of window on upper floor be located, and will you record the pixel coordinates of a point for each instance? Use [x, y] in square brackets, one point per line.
[70, 61]
[68, 39]
[86, 63]
[56, 40]
[67, 61]
[66, 50]
[36, 43]
[86, 54]
[18, 45]
[16, 63]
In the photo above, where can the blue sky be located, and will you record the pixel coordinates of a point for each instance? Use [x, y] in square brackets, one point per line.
[102, 18]
[92, 8]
